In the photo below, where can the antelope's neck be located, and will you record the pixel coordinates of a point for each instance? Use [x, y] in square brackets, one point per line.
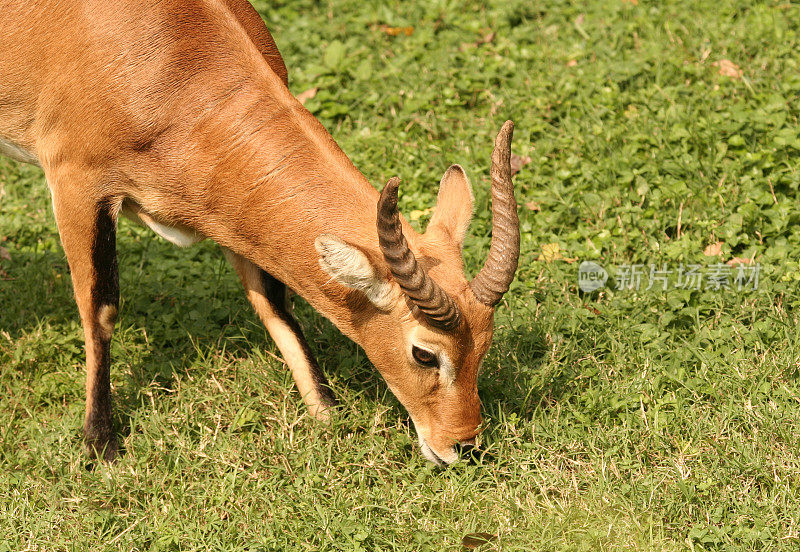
[277, 180]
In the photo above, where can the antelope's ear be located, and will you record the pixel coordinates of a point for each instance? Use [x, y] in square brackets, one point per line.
[350, 267]
[454, 205]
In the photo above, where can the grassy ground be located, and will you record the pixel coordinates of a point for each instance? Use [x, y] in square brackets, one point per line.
[620, 420]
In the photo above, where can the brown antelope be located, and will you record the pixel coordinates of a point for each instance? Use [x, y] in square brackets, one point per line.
[177, 113]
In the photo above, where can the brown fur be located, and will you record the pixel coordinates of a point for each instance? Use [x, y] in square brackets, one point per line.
[181, 107]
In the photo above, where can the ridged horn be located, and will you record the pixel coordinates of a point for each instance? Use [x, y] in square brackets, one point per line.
[495, 277]
[432, 301]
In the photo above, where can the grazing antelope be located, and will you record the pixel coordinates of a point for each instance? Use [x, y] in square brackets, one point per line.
[177, 113]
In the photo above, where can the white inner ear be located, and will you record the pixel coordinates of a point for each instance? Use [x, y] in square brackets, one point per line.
[350, 267]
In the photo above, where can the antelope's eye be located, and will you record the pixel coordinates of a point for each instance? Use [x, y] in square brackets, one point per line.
[425, 358]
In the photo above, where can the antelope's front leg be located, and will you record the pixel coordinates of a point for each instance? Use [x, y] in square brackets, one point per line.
[88, 233]
[268, 297]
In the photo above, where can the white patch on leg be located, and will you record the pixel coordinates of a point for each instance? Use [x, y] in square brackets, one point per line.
[106, 318]
[298, 363]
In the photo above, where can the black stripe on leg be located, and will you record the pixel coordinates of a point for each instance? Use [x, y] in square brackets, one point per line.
[275, 292]
[105, 302]
[105, 290]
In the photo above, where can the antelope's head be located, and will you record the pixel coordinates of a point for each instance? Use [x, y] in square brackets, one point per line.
[429, 328]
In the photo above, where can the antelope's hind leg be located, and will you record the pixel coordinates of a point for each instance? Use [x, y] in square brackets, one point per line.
[268, 297]
[88, 234]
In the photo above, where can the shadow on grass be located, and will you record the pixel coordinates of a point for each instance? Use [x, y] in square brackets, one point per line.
[171, 322]
[176, 325]
[520, 376]
[503, 384]
[38, 290]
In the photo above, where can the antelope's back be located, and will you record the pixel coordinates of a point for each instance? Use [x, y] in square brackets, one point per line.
[99, 79]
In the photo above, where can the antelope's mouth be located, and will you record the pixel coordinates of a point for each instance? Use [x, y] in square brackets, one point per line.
[431, 455]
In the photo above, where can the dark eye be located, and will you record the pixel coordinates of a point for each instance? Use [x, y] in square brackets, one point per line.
[425, 358]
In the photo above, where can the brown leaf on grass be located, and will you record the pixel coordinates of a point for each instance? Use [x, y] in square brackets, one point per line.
[517, 162]
[739, 261]
[303, 97]
[395, 31]
[533, 206]
[486, 39]
[713, 249]
[572, 63]
[474, 540]
[632, 2]
[728, 68]
[7, 256]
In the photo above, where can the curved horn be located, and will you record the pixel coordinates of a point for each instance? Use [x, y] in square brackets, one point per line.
[495, 277]
[439, 309]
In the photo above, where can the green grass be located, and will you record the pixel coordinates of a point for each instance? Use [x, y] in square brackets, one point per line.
[620, 420]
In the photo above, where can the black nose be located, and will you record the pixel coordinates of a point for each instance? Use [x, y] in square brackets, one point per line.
[464, 450]
[468, 452]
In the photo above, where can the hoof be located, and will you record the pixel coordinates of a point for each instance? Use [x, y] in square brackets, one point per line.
[324, 410]
[107, 452]
[101, 447]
